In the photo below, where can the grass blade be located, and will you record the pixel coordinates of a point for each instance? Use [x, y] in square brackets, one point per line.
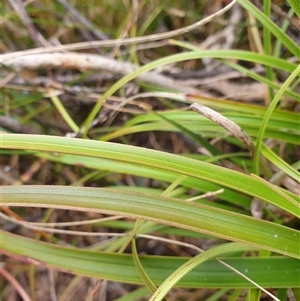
[169, 211]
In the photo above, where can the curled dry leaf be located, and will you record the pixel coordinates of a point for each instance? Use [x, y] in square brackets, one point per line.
[230, 126]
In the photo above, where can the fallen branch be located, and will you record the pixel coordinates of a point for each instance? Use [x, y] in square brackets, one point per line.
[86, 61]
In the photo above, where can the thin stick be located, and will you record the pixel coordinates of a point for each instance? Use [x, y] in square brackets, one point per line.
[108, 43]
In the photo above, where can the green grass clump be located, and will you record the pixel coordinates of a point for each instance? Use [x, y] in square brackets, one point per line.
[157, 197]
